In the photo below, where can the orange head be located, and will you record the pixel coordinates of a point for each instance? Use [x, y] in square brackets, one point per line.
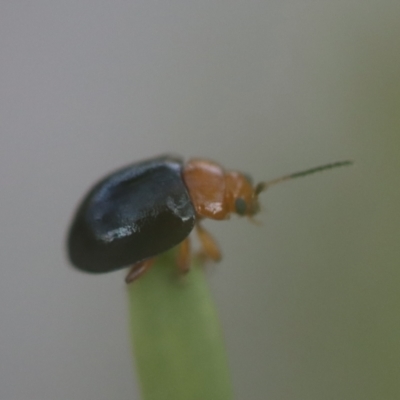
[240, 196]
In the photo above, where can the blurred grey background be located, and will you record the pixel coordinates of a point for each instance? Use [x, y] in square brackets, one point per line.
[309, 301]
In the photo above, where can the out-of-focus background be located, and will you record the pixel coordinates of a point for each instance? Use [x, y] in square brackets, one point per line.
[310, 301]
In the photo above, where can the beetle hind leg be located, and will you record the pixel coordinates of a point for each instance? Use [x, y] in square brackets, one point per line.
[183, 259]
[138, 269]
[210, 249]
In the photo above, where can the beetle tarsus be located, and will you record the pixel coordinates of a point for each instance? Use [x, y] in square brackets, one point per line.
[138, 269]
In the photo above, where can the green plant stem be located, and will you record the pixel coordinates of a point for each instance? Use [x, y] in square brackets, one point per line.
[178, 346]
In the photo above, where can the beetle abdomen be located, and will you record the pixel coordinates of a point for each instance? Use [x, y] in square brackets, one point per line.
[135, 213]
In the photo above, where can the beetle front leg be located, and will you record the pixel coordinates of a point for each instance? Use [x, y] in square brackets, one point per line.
[138, 269]
[210, 249]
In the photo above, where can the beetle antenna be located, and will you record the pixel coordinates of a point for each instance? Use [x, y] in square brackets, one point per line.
[262, 186]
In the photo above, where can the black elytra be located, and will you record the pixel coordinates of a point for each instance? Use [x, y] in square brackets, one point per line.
[133, 214]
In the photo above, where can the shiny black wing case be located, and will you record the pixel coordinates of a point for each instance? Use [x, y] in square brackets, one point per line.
[133, 214]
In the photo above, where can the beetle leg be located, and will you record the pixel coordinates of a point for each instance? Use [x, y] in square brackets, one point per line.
[138, 269]
[183, 260]
[210, 248]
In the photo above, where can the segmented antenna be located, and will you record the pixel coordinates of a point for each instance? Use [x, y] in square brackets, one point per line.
[264, 185]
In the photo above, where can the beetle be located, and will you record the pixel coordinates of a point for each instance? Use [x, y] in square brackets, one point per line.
[142, 210]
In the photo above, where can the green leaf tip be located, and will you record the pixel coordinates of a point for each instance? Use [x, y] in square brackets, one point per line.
[176, 334]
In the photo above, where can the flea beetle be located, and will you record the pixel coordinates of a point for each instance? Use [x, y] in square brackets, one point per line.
[146, 208]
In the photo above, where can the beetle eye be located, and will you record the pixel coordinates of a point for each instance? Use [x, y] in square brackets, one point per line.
[240, 206]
